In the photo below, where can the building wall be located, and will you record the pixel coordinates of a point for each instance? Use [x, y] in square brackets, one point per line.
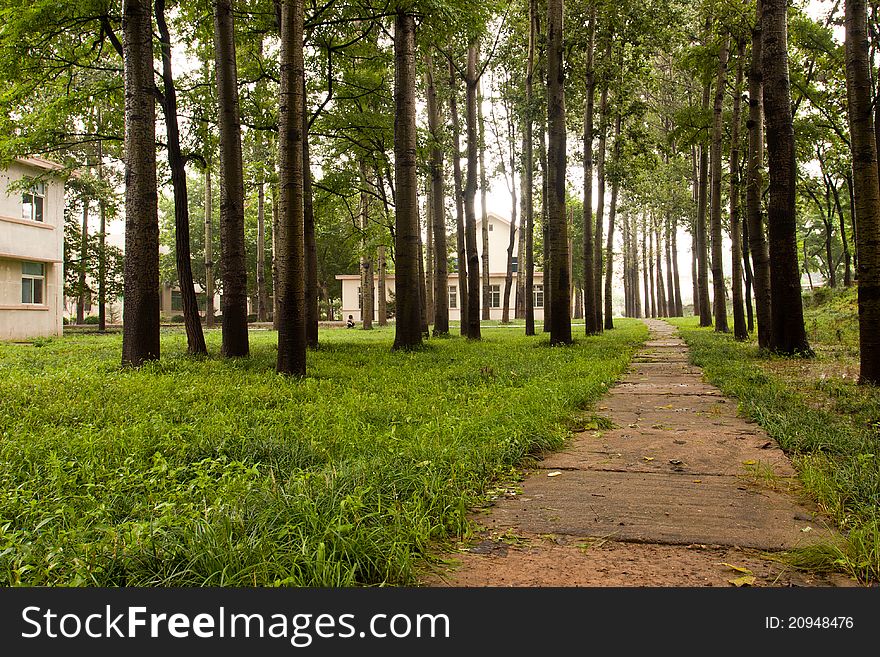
[25, 240]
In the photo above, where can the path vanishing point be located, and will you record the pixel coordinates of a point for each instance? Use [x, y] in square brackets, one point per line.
[680, 492]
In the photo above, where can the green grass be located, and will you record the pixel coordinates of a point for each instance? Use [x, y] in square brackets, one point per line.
[208, 472]
[828, 425]
[831, 318]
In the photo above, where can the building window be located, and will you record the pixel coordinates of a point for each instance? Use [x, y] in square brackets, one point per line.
[177, 300]
[453, 296]
[538, 296]
[33, 278]
[33, 202]
[494, 296]
[514, 264]
[491, 227]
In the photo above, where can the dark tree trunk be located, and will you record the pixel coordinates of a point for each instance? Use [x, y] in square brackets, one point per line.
[290, 261]
[195, 339]
[368, 310]
[661, 288]
[600, 202]
[702, 250]
[847, 256]
[747, 267]
[866, 189]
[739, 321]
[310, 244]
[233, 267]
[438, 220]
[560, 271]
[612, 211]
[787, 333]
[459, 204]
[102, 245]
[670, 285]
[381, 299]
[140, 327]
[719, 294]
[676, 281]
[470, 194]
[528, 178]
[83, 263]
[408, 325]
[210, 311]
[646, 269]
[758, 246]
[590, 316]
[484, 186]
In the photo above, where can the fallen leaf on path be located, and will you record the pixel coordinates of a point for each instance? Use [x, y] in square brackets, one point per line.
[807, 529]
[648, 458]
[738, 569]
[555, 473]
[745, 580]
[698, 481]
[749, 462]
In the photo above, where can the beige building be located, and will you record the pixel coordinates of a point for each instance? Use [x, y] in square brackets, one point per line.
[31, 251]
[499, 237]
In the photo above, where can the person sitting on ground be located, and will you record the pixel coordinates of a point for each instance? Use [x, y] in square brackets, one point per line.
[350, 322]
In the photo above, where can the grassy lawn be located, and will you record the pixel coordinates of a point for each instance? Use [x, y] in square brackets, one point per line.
[206, 472]
[813, 408]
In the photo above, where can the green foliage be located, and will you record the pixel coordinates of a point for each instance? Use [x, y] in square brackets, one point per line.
[214, 472]
[828, 425]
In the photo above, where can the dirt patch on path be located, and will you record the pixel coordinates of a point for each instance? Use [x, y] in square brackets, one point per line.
[681, 492]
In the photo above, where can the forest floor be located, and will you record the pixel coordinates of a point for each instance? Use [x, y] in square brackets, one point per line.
[679, 491]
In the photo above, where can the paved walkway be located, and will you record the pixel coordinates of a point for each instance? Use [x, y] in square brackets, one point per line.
[679, 492]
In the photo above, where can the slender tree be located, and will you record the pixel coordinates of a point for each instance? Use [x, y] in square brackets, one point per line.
[702, 247]
[438, 221]
[470, 193]
[484, 185]
[739, 321]
[528, 177]
[459, 202]
[590, 316]
[719, 295]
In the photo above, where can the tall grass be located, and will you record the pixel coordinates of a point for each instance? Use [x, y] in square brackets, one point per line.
[212, 472]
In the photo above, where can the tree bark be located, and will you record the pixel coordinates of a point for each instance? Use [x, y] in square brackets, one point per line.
[758, 246]
[590, 316]
[787, 332]
[528, 178]
[676, 281]
[560, 271]
[102, 244]
[290, 295]
[719, 295]
[702, 250]
[140, 328]
[438, 219]
[600, 202]
[470, 193]
[310, 244]
[381, 298]
[83, 262]
[739, 321]
[195, 339]
[408, 325]
[866, 189]
[484, 211]
[459, 204]
[612, 211]
[368, 310]
[209, 250]
[233, 267]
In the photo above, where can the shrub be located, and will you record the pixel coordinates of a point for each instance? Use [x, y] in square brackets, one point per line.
[91, 319]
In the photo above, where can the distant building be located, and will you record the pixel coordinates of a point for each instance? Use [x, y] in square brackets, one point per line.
[31, 251]
[499, 237]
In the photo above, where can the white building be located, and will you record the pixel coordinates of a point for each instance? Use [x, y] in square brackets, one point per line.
[499, 238]
[31, 251]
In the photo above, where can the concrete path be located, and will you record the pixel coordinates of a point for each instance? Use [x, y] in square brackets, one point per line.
[677, 493]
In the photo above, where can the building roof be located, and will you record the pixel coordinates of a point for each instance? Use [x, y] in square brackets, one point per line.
[39, 163]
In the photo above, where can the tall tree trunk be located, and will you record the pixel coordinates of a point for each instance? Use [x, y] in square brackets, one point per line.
[484, 185]
[140, 328]
[676, 281]
[429, 265]
[847, 256]
[600, 202]
[195, 339]
[262, 291]
[83, 263]
[368, 310]
[787, 332]
[591, 326]
[702, 247]
[528, 178]
[758, 245]
[560, 271]
[719, 294]
[739, 321]
[661, 288]
[634, 249]
[670, 289]
[695, 272]
[649, 236]
[511, 242]
[102, 244]
[866, 189]
[747, 268]
[310, 244]
[612, 211]
[408, 325]
[423, 293]
[438, 206]
[646, 269]
[290, 262]
[459, 204]
[381, 298]
[470, 193]
[210, 311]
[233, 268]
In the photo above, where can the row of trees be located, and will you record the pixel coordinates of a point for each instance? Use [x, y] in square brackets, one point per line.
[673, 105]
